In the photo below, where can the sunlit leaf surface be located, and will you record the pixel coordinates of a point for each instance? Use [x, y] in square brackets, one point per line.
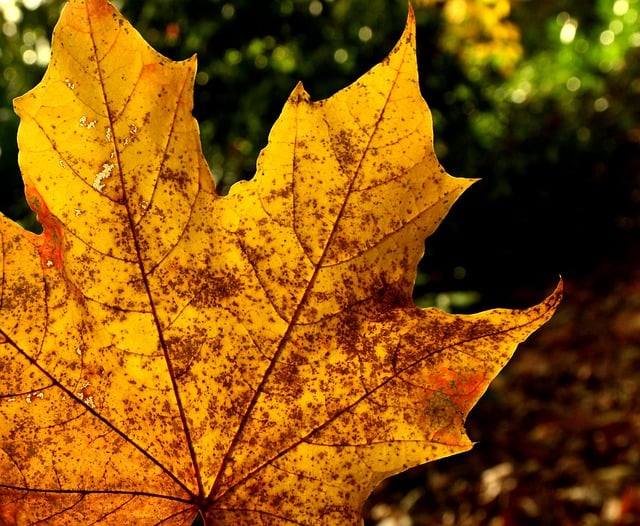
[256, 358]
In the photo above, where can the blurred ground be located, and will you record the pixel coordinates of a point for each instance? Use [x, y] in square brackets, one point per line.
[558, 432]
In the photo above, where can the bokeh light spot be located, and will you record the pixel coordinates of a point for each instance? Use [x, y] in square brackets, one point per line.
[607, 37]
[341, 55]
[568, 31]
[600, 104]
[573, 84]
[315, 8]
[365, 33]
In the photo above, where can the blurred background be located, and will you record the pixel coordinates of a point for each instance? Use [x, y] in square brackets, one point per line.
[538, 98]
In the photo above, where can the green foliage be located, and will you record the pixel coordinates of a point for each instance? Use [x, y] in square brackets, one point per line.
[556, 143]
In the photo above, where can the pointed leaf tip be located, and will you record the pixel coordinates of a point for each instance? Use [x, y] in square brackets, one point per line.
[96, 7]
[299, 94]
[411, 16]
[555, 298]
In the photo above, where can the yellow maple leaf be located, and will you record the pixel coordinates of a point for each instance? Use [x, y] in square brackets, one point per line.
[254, 358]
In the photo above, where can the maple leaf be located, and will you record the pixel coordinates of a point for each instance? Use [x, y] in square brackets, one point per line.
[256, 358]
